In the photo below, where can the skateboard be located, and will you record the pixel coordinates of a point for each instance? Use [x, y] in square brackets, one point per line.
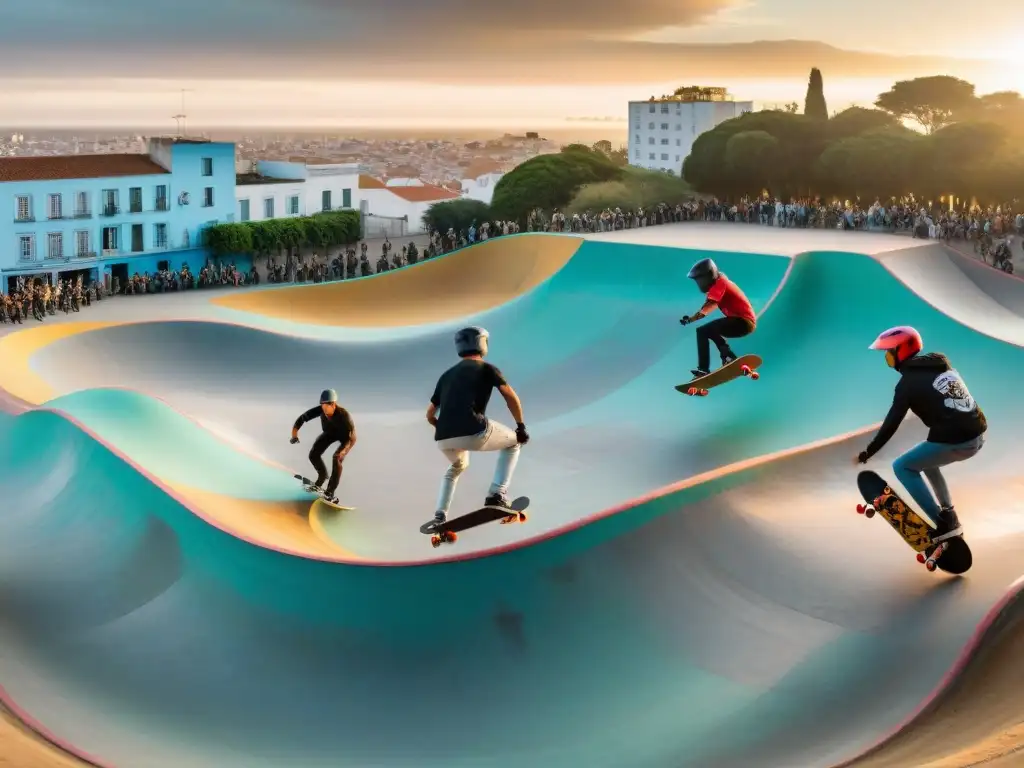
[447, 532]
[746, 365]
[307, 485]
[951, 555]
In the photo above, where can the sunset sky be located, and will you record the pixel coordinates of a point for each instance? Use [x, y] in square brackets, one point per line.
[442, 63]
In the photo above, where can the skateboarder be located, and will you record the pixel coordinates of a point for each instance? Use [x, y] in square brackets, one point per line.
[336, 426]
[937, 395]
[457, 411]
[739, 319]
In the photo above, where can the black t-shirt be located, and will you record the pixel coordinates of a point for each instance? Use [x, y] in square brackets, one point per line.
[338, 426]
[461, 395]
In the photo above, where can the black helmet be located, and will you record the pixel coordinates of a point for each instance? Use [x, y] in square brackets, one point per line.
[328, 396]
[471, 341]
[704, 273]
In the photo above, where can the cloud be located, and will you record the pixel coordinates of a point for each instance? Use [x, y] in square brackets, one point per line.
[441, 41]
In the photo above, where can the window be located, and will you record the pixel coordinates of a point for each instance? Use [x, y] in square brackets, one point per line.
[664, 126]
[135, 199]
[55, 245]
[664, 109]
[207, 166]
[23, 208]
[679, 142]
[208, 197]
[651, 108]
[650, 126]
[111, 240]
[637, 137]
[650, 140]
[664, 156]
[268, 208]
[56, 207]
[137, 242]
[677, 158]
[293, 205]
[110, 202]
[26, 247]
[679, 126]
[159, 235]
[82, 205]
[664, 142]
[325, 200]
[346, 198]
[160, 203]
[82, 243]
[243, 210]
[650, 156]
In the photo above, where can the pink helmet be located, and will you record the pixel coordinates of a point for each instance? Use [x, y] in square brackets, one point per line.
[900, 343]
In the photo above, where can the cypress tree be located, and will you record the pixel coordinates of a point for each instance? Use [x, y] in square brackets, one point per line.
[814, 104]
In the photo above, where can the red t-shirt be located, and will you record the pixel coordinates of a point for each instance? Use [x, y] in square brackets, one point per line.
[730, 299]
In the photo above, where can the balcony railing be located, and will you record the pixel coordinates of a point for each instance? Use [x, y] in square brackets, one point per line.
[24, 219]
[26, 259]
[55, 257]
[83, 214]
[111, 252]
[135, 208]
[110, 210]
[55, 216]
[85, 255]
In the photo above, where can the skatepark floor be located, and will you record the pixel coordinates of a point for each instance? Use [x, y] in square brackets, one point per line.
[693, 587]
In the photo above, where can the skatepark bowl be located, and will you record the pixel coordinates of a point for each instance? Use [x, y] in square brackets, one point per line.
[693, 586]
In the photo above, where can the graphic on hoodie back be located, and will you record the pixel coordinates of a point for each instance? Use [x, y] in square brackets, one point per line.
[952, 387]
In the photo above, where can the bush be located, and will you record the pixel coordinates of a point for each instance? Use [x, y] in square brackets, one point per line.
[274, 235]
[636, 188]
[550, 181]
[456, 214]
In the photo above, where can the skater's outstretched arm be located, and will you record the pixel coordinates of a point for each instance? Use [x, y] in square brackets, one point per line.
[515, 406]
[308, 416]
[704, 311]
[893, 419]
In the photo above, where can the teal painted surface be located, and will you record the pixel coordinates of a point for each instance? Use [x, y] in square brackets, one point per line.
[141, 634]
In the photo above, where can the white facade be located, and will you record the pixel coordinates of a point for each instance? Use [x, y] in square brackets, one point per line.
[271, 200]
[662, 132]
[481, 188]
[321, 187]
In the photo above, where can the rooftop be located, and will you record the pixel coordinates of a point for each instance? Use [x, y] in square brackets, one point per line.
[179, 140]
[244, 179]
[55, 167]
[411, 194]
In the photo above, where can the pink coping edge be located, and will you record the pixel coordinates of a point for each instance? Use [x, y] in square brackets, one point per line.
[966, 257]
[960, 663]
[46, 734]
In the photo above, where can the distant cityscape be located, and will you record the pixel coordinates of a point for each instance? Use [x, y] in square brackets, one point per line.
[433, 157]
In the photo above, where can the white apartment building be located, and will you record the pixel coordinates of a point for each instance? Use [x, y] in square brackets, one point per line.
[278, 189]
[662, 131]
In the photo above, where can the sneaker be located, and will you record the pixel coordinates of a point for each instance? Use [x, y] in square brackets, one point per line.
[496, 500]
[440, 518]
[728, 358]
[947, 523]
[699, 372]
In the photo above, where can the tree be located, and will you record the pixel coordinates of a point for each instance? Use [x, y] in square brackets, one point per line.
[752, 157]
[855, 121]
[605, 195]
[932, 102]
[262, 238]
[636, 188]
[456, 214]
[814, 102]
[878, 165]
[791, 108]
[603, 146]
[549, 181]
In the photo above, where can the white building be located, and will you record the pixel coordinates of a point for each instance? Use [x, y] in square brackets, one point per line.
[406, 199]
[662, 131]
[281, 188]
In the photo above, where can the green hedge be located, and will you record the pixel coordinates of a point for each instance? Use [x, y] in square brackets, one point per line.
[321, 230]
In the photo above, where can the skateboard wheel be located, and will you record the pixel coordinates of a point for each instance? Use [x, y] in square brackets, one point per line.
[931, 566]
[745, 370]
[920, 557]
[452, 537]
[435, 541]
[869, 512]
[522, 517]
[861, 509]
[692, 391]
[703, 393]
[755, 375]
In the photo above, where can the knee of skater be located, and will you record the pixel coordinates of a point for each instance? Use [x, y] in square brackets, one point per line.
[513, 450]
[457, 468]
[313, 456]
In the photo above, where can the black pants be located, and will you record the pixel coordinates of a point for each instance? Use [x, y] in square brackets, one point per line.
[718, 331]
[320, 445]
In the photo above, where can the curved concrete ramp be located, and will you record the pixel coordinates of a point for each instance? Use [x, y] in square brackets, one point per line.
[693, 588]
[467, 281]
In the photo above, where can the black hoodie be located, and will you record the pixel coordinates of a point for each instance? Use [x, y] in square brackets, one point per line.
[937, 395]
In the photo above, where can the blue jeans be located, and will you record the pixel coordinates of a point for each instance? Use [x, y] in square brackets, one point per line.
[926, 458]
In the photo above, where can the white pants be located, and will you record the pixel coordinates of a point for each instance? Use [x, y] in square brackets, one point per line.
[496, 437]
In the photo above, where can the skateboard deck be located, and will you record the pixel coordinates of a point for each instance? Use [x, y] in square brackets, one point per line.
[746, 365]
[447, 533]
[307, 485]
[950, 555]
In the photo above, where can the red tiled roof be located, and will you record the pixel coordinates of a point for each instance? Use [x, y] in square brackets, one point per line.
[426, 193]
[368, 182]
[56, 167]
